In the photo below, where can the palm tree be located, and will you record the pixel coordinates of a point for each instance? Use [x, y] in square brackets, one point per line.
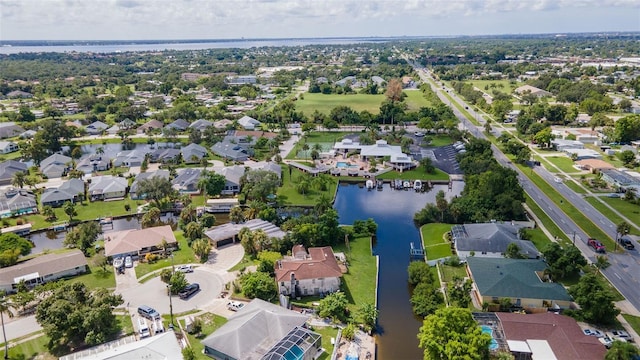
[602, 262]
[5, 307]
[322, 204]
[18, 179]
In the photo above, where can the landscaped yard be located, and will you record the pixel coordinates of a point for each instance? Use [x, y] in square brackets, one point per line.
[288, 195]
[182, 256]
[440, 140]
[561, 162]
[415, 174]
[30, 349]
[435, 252]
[320, 137]
[433, 234]
[449, 272]
[327, 333]
[360, 281]
[210, 323]
[97, 277]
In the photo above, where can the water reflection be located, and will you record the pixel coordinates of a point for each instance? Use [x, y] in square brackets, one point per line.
[393, 211]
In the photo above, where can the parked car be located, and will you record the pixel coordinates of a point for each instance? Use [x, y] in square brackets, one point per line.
[591, 332]
[596, 245]
[148, 312]
[128, 262]
[419, 134]
[235, 305]
[619, 335]
[626, 243]
[607, 342]
[185, 268]
[188, 291]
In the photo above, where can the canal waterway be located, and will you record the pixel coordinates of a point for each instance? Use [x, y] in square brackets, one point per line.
[393, 211]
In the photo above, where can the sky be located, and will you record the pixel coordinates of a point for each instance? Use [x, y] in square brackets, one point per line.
[233, 19]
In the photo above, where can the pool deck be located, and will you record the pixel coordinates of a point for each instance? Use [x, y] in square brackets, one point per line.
[364, 342]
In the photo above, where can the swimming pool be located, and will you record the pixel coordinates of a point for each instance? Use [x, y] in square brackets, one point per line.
[344, 165]
[488, 330]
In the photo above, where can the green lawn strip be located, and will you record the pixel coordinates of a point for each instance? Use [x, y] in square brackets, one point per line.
[440, 140]
[551, 226]
[288, 195]
[435, 252]
[630, 211]
[415, 174]
[126, 324]
[182, 256]
[538, 238]
[582, 221]
[245, 262]
[327, 332]
[210, 323]
[30, 349]
[97, 277]
[563, 163]
[575, 187]
[324, 103]
[449, 272]
[607, 212]
[360, 280]
[415, 100]
[462, 109]
[434, 272]
[433, 234]
[634, 321]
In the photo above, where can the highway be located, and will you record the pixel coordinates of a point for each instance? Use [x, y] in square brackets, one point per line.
[624, 265]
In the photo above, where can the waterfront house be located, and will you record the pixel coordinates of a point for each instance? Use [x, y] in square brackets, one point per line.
[201, 124]
[228, 233]
[187, 181]
[178, 125]
[55, 166]
[10, 167]
[261, 330]
[96, 128]
[71, 190]
[150, 126]
[138, 242]
[129, 158]
[522, 281]
[490, 240]
[165, 156]
[43, 269]
[93, 163]
[133, 192]
[315, 272]
[107, 187]
[16, 202]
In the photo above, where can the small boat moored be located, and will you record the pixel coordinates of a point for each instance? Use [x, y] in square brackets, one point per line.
[369, 184]
[417, 185]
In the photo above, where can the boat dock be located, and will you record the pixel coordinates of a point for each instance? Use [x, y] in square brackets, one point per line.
[416, 254]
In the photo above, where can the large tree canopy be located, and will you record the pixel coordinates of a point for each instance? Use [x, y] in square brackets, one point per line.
[259, 184]
[452, 333]
[74, 315]
[156, 188]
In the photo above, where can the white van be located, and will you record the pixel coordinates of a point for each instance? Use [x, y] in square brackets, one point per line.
[143, 328]
[558, 180]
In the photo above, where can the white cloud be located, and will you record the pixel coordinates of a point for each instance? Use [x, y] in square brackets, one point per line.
[135, 19]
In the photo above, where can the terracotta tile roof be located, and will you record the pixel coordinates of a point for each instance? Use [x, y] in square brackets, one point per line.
[321, 263]
[129, 241]
[562, 333]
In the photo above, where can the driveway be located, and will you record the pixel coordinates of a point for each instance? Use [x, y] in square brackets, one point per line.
[154, 293]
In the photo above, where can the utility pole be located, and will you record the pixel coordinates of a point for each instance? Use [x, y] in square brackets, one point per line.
[574, 238]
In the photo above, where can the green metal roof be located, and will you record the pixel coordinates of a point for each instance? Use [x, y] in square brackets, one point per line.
[514, 278]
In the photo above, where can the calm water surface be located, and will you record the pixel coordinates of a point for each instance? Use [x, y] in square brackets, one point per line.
[393, 211]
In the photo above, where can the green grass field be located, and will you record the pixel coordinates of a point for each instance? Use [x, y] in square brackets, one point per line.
[575, 187]
[449, 272]
[435, 252]
[360, 281]
[288, 195]
[501, 85]
[327, 333]
[321, 137]
[415, 174]
[324, 103]
[415, 100]
[563, 163]
[433, 234]
[631, 211]
[440, 140]
[538, 238]
[97, 277]
[31, 349]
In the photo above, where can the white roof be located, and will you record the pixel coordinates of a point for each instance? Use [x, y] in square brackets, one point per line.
[541, 350]
[381, 148]
[164, 346]
[518, 346]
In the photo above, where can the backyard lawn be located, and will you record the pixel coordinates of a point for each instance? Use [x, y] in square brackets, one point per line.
[327, 333]
[288, 195]
[415, 174]
[210, 323]
[97, 277]
[441, 251]
[449, 272]
[563, 163]
[323, 138]
[433, 234]
[360, 281]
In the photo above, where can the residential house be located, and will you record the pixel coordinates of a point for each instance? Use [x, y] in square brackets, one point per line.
[524, 89]
[43, 269]
[193, 153]
[241, 79]
[522, 281]
[232, 174]
[201, 125]
[7, 147]
[249, 123]
[160, 346]
[10, 129]
[55, 166]
[620, 180]
[228, 233]
[594, 165]
[315, 272]
[96, 128]
[223, 124]
[93, 163]
[149, 126]
[377, 80]
[29, 134]
[261, 330]
[123, 125]
[581, 154]
[548, 336]
[187, 181]
[10, 167]
[107, 187]
[407, 82]
[267, 166]
[346, 80]
[230, 151]
[563, 145]
[71, 190]
[133, 192]
[19, 94]
[16, 202]
[490, 240]
[380, 150]
[179, 125]
[129, 158]
[138, 242]
[165, 156]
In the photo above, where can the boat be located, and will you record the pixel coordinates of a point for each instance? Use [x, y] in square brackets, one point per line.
[417, 185]
[406, 184]
[369, 184]
[379, 183]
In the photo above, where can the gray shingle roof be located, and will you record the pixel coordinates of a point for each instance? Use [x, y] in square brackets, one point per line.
[491, 237]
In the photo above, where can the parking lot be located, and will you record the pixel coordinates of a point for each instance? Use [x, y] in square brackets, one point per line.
[444, 158]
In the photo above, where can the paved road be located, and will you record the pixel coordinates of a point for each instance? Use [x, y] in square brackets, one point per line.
[624, 266]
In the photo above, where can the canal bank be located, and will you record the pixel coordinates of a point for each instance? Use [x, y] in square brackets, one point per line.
[393, 212]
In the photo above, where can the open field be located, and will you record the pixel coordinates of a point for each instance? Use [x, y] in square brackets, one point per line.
[561, 162]
[324, 103]
[415, 100]
[440, 140]
[500, 85]
[438, 251]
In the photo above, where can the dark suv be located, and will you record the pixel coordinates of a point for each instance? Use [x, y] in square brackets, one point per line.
[597, 245]
[626, 243]
[189, 290]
